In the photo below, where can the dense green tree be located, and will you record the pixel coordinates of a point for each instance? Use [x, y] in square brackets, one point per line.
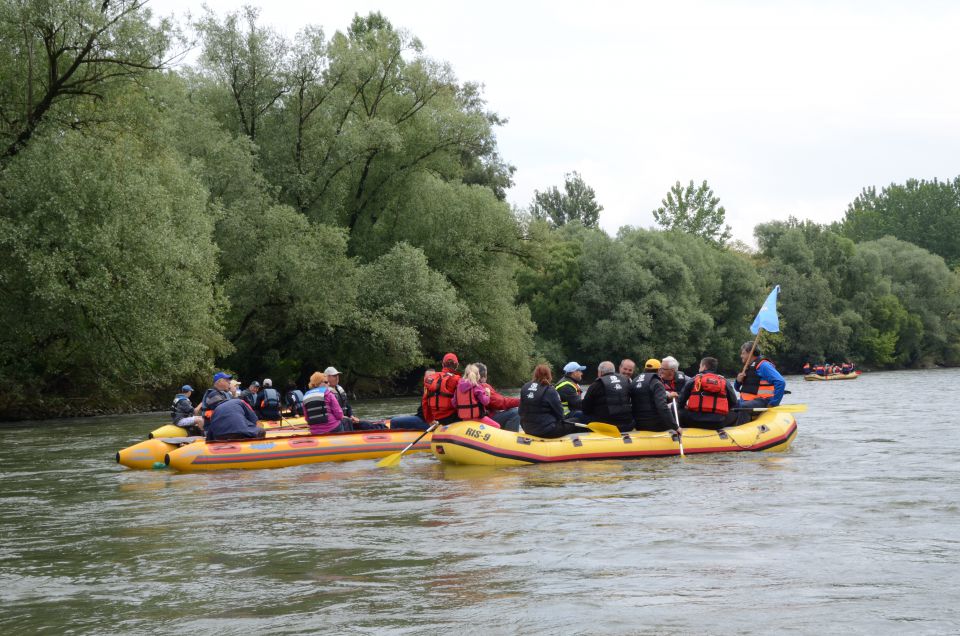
[925, 213]
[109, 268]
[577, 202]
[57, 57]
[695, 210]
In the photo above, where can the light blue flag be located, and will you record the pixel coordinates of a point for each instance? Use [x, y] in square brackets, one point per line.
[767, 318]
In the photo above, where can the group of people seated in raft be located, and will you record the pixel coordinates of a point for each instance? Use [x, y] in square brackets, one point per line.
[618, 396]
[828, 369]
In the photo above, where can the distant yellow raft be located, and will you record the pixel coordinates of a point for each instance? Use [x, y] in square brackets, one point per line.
[813, 377]
[280, 452]
[172, 430]
[476, 444]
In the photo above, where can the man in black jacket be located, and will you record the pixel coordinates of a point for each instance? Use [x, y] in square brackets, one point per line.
[608, 398]
[651, 408]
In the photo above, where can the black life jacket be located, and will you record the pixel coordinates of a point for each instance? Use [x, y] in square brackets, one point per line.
[709, 394]
[531, 399]
[180, 408]
[753, 386]
[315, 407]
[616, 388]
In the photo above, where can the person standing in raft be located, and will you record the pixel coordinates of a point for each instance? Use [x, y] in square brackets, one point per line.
[502, 410]
[651, 411]
[708, 401]
[350, 422]
[232, 420]
[760, 386]
[438, 394]
[608, 399]
[570, 392]
[471, 398]
[320, 406]
[541, 413]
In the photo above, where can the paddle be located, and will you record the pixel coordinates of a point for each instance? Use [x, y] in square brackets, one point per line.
[392, 460]
[783, 408]
[607, 430]
[676, 418]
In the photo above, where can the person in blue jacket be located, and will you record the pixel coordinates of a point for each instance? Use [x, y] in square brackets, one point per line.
[233, 419]
[760, 386]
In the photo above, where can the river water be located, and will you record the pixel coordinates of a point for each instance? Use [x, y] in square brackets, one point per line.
[854, 530]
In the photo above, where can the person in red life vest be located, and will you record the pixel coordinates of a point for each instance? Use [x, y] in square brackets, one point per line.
[438, 394]
[708, 401]
[471, 398]
[820, 370]
[846, 367]
[806, 368]
[760, 386]
[505, 411]
[320, 406]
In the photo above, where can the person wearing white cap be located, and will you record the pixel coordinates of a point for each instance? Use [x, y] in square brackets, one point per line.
[569, 389]
[268, 404]
[349, 422]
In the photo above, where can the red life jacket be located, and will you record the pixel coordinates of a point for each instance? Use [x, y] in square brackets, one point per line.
[440, 401]
[709, 394]
[468, 408]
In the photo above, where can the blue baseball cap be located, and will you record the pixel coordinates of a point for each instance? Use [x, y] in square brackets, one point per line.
[222, 376]
[186, 387]
[573, 366]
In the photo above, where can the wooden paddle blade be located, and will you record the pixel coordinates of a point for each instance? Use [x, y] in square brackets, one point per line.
[390, 460]
[608, 430]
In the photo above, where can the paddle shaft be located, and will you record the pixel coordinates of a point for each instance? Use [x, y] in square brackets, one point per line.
[676, 417]
[422, 435]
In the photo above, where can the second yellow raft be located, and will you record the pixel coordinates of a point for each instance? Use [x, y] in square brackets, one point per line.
[475, 444]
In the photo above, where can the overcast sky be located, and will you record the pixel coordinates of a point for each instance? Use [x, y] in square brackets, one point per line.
[785, 108]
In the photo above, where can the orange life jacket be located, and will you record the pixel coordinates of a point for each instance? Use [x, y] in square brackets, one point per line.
[709, 394]
[753, 385]
[468, 408]
[440, 401]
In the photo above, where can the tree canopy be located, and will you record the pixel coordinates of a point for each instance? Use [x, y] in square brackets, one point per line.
[695, 210]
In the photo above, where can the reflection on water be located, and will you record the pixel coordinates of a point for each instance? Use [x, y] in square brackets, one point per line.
[855, 529]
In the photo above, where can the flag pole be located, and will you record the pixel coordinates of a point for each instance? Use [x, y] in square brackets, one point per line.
[753, 348]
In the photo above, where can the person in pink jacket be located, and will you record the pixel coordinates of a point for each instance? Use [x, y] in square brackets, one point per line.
[320, 406]
[471, 398]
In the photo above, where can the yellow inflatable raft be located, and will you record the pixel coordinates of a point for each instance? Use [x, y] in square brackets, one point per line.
[813, 377]
[172, 430]
[279, 452]
[150, 453]
[476, 444]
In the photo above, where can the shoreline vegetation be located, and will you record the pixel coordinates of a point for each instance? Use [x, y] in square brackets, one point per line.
[337, 197]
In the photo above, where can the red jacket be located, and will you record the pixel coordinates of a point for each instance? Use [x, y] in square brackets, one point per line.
[448, 386]
[498, 402]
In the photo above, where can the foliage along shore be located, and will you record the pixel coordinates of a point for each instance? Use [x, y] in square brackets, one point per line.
[282, 205]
